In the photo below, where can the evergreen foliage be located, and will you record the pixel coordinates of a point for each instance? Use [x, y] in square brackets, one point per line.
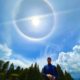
[9, 72]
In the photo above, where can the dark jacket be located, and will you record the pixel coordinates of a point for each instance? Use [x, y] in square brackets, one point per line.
[50, 69]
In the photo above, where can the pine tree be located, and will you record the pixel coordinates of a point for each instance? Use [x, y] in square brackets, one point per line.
[10, 70]
[24, 74]
[5, 66]
[60, 73]
[1, 65]
[34, 73]
[68, 76]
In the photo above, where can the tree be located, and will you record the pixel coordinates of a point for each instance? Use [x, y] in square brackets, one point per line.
[24, 74]
[60, 73]
[34, 73]
[5, 66]
[18, 69]
[68, 76]
[1, 65]
[10, 70]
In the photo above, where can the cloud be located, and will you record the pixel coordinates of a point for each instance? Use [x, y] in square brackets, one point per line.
[19, 60]
[70, 61]
[7, 54]
[5, 51]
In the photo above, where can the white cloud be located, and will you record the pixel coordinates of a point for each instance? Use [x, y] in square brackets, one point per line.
[70, 60]
[5, 51]
[18, 62]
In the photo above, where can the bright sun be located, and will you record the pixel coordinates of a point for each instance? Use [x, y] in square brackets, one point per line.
[35, 21]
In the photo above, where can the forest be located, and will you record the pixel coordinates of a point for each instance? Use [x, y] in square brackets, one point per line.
[11, 72]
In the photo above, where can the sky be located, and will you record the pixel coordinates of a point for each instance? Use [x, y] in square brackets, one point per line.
[32, 30]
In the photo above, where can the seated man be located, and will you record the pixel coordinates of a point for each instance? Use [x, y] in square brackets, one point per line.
[49, 71]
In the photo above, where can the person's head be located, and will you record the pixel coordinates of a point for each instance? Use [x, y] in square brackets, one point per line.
[49, 60]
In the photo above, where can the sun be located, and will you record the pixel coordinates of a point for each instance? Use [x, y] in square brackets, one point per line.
[35, 21]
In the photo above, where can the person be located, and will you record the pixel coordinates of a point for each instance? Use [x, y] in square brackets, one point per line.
[49, 71]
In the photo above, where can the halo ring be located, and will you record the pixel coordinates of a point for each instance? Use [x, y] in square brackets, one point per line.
[30, 38]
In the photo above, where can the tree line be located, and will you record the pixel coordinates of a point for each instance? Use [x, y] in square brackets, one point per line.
[10, 72]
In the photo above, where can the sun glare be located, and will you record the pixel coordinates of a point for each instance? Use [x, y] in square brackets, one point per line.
[35, 21]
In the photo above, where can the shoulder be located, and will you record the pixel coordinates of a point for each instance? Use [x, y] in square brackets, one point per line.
[53, 66]
[45, 67]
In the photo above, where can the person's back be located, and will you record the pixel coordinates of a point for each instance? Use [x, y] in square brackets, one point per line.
[49, 71]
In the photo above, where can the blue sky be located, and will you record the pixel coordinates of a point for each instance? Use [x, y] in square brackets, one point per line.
[62, 42]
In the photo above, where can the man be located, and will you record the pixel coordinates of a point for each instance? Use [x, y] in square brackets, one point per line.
[49, 71]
